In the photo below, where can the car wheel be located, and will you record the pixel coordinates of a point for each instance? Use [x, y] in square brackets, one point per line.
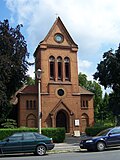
[40, 150]
[100, 146]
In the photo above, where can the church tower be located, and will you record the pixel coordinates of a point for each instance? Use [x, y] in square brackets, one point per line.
[56, 55]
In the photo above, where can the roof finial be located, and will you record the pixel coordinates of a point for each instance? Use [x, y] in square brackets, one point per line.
[56, 15]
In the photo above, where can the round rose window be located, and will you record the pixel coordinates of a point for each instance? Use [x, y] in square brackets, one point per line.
[60, 92]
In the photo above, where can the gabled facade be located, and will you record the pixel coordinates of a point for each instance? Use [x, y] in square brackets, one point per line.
[64, 103]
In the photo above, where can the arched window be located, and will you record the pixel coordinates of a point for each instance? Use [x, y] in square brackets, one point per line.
[67, 68]
[52, 67]
[30, 104]
[59, 61]
[27, 104]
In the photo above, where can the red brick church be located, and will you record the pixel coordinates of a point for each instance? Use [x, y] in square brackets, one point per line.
[63, 102]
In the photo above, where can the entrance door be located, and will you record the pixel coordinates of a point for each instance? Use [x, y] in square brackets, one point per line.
[62, 120]
[84, 122]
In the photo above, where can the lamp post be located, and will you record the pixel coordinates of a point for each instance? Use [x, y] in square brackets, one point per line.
[38, 74]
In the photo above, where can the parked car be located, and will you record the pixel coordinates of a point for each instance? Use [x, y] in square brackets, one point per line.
[26, 142]
[106, 138]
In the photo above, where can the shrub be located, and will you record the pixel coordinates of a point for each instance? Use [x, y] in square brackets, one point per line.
[9, 123]
[5, 132]
[93, 131]
[57, 134]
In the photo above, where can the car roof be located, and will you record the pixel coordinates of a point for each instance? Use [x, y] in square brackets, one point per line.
[23, 132]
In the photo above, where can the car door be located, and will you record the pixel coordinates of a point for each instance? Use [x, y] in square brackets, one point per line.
[114, 137]
[29, 142]
[13, 144]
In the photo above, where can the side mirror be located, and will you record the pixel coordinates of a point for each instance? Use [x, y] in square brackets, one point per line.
[109, 134]
[7, 140]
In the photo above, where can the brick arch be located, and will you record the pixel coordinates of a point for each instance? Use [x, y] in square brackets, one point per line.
[60, 105]
[62, 110]
[31, 121]
[84, 122]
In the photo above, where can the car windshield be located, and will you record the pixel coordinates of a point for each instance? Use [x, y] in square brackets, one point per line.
[104, 132]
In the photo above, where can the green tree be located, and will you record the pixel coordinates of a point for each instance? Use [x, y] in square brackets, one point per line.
[13, 64]
[30, 81]
[96, 89]
[82, 78]
[106, 113]
[108, 75]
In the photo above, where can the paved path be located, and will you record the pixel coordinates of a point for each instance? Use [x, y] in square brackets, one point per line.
[70, 144]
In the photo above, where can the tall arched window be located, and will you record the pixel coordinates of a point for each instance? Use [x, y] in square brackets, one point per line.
[52, 67]
[67, 68]
[59, 61]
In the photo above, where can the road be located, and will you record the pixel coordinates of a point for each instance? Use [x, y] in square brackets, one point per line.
[110, 154]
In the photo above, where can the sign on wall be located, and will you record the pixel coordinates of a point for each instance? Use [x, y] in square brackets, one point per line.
[77, 122]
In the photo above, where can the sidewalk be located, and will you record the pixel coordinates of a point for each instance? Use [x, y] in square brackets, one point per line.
[69, 145]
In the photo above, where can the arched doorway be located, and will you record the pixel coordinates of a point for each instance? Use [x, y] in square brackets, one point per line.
[84, 122]
[62, 120]
[31, 121]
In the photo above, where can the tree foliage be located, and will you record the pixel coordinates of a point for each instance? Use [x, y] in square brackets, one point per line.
[30, 81]
[13, 64]
[106, 112]
[9, 123]
[82, 78]
[108, 75]
[108, 70]
[102, 112]
[96, 89]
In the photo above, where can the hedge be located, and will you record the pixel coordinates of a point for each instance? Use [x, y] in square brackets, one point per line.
[57, 134]
[93, 131]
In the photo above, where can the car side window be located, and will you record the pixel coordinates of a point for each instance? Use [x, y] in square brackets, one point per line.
[40, 136]
[28, 136]
[116, 131]
[15, 137]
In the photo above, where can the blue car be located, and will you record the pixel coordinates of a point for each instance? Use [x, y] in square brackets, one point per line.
[106, 138]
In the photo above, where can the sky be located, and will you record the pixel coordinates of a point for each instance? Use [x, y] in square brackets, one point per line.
[93, 24]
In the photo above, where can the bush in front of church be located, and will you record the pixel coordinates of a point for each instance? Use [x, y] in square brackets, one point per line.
[57, 134]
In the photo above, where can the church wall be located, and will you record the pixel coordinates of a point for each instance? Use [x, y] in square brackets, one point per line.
[49, 102]
[23, 111]
[88, 110]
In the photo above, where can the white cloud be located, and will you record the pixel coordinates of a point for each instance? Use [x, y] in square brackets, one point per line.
[92, 21]
[31, 72]
[93, 24]
[83, 67]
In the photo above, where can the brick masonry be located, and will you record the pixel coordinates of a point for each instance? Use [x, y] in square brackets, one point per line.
[74, 109]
